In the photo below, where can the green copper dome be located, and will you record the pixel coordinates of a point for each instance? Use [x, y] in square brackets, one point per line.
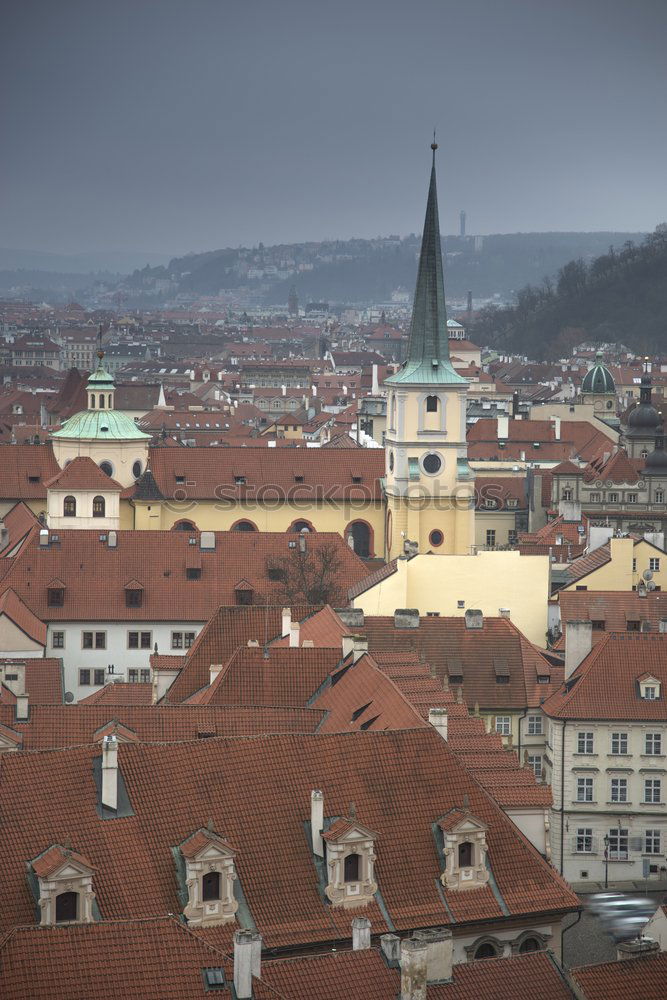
[100, 425]
[598, 378]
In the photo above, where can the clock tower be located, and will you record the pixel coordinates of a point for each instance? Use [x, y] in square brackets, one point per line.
[428, 483]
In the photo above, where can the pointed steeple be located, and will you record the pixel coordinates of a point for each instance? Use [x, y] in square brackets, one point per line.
[428, 349]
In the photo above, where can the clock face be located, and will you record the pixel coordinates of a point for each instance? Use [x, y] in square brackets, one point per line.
[432, 464]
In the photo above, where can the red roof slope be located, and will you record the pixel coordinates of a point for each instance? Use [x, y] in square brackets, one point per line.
[256, 788]
[24, 470]
[82, 474]
[43, 680]
[641, 978]
[14, 608]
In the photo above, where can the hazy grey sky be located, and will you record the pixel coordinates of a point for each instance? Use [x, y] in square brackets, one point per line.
[177, 125]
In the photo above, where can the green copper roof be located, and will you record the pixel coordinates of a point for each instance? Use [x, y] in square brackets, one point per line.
[100, 425]
[598, 378]
[100, 377]
[428, 350]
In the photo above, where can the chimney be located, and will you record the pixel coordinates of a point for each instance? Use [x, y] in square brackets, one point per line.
[503, 428]
[243, 942]
[22, 708]
[375, 385]
[347, 643]
[43, 536]
[302, 541]
[390, 945]
[351, 617]
[110, 773]
[504, 612]
[474, 618]
[287, 621]
[317, 821]
[640, 947]
[439, 720]
[578, 644]
[256, 954]
[213, 671]
[556, 423]
[294, 630]
[413, 970]
[406, 618]
[359, 647]
[361, 934]
[439, 952]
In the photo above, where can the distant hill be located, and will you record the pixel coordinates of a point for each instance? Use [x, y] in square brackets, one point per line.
[619, 296]
[113, 261]
[368, 271]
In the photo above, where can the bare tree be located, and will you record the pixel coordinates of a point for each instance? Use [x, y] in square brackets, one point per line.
[309, 574]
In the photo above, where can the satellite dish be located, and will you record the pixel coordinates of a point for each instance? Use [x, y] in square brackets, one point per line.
[650, 586]
[69, 697]
[648, 574]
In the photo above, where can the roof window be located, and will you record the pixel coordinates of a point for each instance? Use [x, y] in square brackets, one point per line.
[214, 979]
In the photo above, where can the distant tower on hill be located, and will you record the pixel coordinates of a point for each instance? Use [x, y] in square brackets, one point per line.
[462, 223]
[293, 302]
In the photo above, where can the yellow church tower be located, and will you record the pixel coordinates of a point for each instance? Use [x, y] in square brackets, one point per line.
[428, 483]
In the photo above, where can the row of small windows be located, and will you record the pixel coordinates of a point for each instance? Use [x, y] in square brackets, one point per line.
[135, 640]
[103, 402]
[618, 790]
[619, 743]
[614, 497]
[69, 507]
[616, 842]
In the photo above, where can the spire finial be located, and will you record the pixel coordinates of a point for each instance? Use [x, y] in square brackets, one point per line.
[434, 146]
[100, 352]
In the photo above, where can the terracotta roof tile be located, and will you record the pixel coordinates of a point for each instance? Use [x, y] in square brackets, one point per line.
[43, 679]
[24, 470]
[82, 474]
[20, 614]
[641, 978]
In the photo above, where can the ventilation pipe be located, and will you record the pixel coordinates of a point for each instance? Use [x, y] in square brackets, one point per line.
[317, 821]
[110, 773]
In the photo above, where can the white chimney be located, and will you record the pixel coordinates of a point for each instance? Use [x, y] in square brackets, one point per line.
[413, 970]
[286, 622]
[578, 644]
[22, 708]
[347, 643]
[213, 671]
[375, 385]
[390, 945]
[556, 423]
[110, 773]
[283, 389]
[359, 647]
[503, 428]
[361, 934]
[439, 953]
[504, 612]
[256, 954]
[294, 630]
[439, 720]
[317, 821]
[243, 964]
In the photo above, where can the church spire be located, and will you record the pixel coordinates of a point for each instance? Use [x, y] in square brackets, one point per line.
[428, 349]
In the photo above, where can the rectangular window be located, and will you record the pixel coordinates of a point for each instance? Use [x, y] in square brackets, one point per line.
[145, 676]
[491, 537]
[133, 598]
[585, 742]
[138, 640]
[84, 678]
[87, 640]
[98, 677]
[503, 724]
[535, 763]
[619, 743]
[618, 844]
[650, 692]
[193, 573]
[659, 496]
[177, 640]
[133, 675]
[652, 842]
[584, 789]
[652, 789]
[58, 640]
[534, 725]
[100, 640]
[632, 497]
[594, 497]
[584, 841]
[598, 625]
[633, 626]
[613, 498]
[619, 789]
[654, 565]
[55, 597]
[653, 744]
[512, 537]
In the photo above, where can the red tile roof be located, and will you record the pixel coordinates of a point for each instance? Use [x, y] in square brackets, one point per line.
[613, 607]
[642, 978]
[54, 858]
[122, 693]
[210, 473]
[19, 522]
[256, 788]
[96, 575]
[24, 470]
[17, 611]
[605, 684]
[43, 680]
[82, 474]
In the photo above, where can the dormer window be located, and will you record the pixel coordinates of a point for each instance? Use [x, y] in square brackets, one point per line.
[134, 594]
[649, 687]
[65, 881]
[207, 870]
[55, 594]
[464, 849]
[99, 507]
[350, 863]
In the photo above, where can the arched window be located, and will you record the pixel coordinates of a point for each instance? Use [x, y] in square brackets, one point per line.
[99, 507]
[465, 854]
[361, 538]
[393, 410]
[136, 469]
[432, 403]
[67, 907]
[101, 402]
[184, 526]
[298, 526]
[528, 945]
[351, 868]
[210, 886]
[567, 494]
[486, 950]
[244, 526]
[107, 469]
[92, 400]
[69, 507]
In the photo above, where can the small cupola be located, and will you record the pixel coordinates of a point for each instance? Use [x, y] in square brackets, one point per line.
[210, 875]
[101, 387]
[65, 881]
[464, 849]
[350, 861]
